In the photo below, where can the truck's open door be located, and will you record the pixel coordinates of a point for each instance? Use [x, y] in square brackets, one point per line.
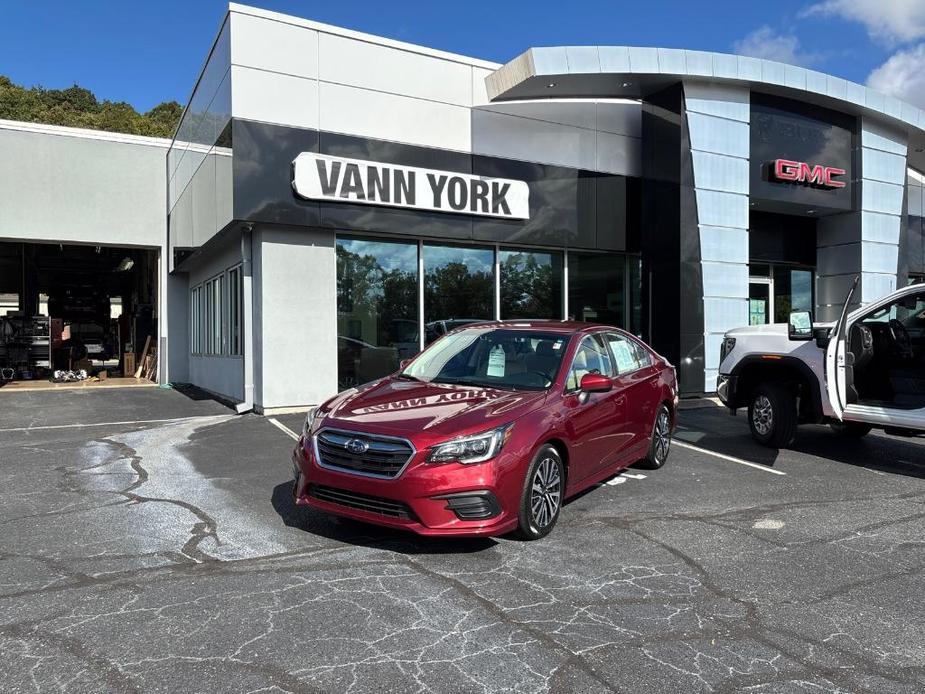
[839, 369]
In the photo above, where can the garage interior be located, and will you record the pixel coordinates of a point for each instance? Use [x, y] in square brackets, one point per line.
[77, 315]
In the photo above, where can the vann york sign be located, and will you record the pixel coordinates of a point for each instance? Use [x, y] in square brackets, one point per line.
[337, 179]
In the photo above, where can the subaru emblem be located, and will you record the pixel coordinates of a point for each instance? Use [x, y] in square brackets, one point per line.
[357, 446]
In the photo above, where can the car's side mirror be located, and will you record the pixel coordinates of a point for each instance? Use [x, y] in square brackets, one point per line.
[800, 327]
[595, 383]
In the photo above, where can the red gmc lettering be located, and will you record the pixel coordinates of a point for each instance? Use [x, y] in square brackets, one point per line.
[801, 172]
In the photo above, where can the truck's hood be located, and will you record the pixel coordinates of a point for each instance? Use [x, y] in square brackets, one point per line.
[772, 329]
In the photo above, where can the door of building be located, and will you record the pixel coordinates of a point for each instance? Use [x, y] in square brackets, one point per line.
[760, 300]
[776, 290]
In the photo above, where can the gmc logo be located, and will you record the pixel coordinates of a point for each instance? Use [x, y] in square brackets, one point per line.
[801, 172]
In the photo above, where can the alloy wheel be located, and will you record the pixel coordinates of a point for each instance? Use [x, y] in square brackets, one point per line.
[662, 436]
[546, 492]
[763, 415]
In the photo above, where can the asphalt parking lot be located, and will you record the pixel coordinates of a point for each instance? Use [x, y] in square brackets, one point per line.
[148, 543]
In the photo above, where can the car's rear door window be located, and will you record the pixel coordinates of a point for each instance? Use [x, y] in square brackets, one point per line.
[628, 354]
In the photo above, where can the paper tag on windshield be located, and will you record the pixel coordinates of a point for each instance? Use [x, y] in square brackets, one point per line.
[496, 362]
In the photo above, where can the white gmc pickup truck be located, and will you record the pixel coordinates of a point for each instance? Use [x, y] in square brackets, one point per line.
[865, 371]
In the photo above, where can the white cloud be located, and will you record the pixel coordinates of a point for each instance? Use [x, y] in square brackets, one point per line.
[902, 76]
[765, 43]
[889, 21]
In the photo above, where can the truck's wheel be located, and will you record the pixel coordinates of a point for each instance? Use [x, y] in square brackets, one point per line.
[772, 415]
[851, 430]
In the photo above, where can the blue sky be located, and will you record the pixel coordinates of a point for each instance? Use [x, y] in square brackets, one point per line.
[145, 53]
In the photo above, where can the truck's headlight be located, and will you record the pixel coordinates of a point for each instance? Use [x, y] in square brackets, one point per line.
[729, 344]
[471, 449]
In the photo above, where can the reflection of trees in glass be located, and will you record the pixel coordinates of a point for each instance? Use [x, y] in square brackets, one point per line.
[529, 288]
[453, 290]
[385, 298]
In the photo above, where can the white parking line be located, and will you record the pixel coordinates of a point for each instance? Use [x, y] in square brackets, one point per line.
[729, 458]
[100, 424]
[283, 428]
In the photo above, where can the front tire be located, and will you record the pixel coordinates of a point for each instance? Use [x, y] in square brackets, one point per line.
[541, 499]
[772, 415]
[660, 445]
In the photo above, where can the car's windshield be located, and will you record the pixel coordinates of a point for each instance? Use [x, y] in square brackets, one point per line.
[493, 358]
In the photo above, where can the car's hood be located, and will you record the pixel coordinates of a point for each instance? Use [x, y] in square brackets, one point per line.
[403, 408]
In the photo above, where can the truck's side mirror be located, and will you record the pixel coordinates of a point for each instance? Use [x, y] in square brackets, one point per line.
[800, 327]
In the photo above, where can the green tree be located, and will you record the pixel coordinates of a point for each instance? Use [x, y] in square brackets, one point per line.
[79, 108]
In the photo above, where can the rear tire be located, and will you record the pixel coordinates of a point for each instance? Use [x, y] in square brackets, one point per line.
[851, 430]
[660, 445]
[772, 415]
[541, 499]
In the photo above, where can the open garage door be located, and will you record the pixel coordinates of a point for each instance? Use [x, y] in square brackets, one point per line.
[77, 315]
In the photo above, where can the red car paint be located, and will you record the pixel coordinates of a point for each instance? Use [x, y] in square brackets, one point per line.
[598, 433]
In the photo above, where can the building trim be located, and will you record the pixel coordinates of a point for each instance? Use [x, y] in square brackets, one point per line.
[85, 133]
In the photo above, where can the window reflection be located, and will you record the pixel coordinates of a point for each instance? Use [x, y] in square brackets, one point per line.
[597, 288]
[377, 308]
[459, 288]
[531, 284]
[793, 291]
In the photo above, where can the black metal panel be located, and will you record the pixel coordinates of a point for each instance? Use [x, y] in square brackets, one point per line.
[568, 207]
[262, 170]
[915, 245]
[661, 216]
[784, 129]
[557, 196]
[779, 238]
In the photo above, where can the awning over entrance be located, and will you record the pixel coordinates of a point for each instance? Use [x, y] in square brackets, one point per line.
[631, 72]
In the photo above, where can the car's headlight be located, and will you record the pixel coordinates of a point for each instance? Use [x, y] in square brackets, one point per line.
[311, 416]
[471, 449]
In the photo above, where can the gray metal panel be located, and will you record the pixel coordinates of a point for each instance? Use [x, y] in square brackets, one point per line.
[82, 190]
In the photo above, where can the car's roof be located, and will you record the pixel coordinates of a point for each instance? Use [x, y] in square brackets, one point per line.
[549, 326]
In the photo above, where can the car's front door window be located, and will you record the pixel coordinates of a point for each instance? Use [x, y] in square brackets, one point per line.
[591, 357]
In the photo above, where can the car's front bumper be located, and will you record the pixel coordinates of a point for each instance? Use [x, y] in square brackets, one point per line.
[425, 499]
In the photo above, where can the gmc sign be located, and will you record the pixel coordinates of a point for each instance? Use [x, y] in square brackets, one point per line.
[801, 172]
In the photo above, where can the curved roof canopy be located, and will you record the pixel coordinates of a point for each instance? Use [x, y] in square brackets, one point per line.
[628, 72]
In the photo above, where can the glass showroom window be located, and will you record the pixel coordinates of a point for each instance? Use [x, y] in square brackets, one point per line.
[377, 308]
[459, 287]
[793, 291]
[531, 284]
[195, 320]
[597, 288]
[213, 316]
[235, 312]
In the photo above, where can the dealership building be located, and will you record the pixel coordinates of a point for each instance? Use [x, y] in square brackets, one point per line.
[333, 201]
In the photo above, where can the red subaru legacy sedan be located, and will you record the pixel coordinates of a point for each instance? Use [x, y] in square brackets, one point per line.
[489, 429]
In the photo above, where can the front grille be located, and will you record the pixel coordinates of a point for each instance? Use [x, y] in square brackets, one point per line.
[363, 502]
[383, 457]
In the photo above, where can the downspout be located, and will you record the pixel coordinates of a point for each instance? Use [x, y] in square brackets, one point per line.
[248, 319]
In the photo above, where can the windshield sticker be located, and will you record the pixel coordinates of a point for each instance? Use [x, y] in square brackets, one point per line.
[496, 362]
